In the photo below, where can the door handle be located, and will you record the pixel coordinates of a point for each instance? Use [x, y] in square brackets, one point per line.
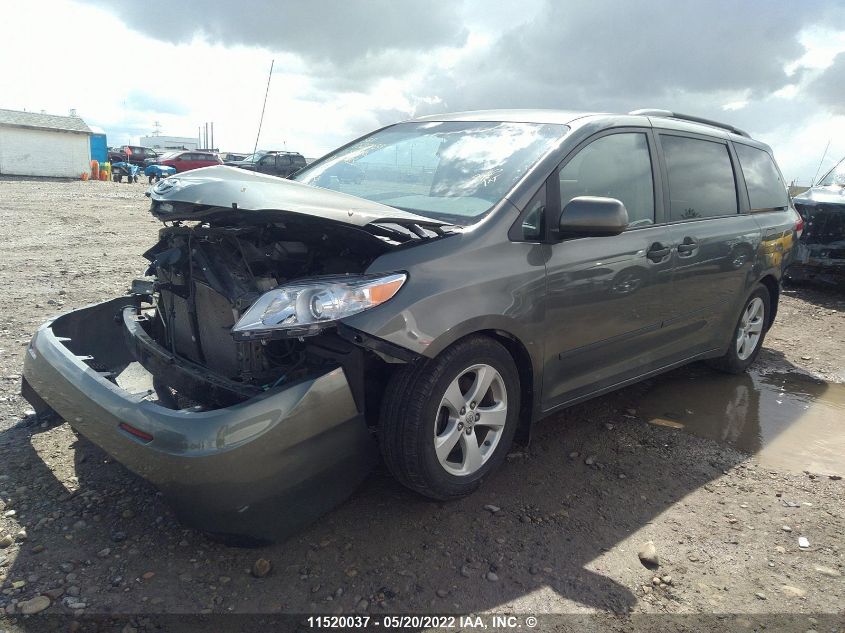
[657, 252]
[687, 247]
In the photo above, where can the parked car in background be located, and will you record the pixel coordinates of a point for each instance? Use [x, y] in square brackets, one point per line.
[532, 260]
[229, 157]
[281, 164]
[187, 160]
[820, 255]
[134, 154]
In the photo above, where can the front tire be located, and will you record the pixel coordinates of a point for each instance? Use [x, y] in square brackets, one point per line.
[448, 422]
[748, 336]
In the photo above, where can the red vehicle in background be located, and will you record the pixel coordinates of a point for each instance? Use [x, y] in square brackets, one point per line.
[185, 160]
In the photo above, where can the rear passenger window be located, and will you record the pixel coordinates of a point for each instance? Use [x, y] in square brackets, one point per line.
[762, 179]
[614, 166]
[701, 178]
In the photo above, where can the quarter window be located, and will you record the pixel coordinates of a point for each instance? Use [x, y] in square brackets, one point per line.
[701, 178]
[762, 179]
[614, 166]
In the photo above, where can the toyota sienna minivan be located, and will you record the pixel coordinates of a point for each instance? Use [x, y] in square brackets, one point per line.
[486, 270]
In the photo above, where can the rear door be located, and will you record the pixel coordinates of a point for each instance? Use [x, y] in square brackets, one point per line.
[607, 296]
[715, 240]
[768, 201]
[282, 165]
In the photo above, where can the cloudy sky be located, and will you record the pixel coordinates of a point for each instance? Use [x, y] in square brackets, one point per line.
[342, 68]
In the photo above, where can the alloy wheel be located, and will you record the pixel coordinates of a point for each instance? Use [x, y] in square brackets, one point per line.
[750, 328]
[470, 420]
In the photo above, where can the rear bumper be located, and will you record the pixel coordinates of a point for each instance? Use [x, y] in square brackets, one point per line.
[261, 468]
[809, 266]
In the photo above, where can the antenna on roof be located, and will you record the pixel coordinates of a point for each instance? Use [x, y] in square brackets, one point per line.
[266, 92]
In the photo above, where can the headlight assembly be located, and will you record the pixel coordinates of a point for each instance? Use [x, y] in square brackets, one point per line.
[306, 307]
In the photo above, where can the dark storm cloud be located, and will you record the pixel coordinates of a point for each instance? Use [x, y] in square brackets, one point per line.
[829, 87]
[613, 55]
[336, 31]
[359, 74]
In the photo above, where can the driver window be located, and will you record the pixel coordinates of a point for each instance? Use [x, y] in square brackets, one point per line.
[270, 159]
[614, 166]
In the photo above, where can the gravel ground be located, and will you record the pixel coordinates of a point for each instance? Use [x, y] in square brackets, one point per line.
[557, 530]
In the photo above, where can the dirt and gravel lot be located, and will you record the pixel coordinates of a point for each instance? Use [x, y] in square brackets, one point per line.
[557, 530]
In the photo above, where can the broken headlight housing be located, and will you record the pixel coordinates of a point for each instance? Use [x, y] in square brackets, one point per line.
[307, 307]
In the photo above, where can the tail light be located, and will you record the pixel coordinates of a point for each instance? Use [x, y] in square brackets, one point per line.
[799, 223]
[141, 435]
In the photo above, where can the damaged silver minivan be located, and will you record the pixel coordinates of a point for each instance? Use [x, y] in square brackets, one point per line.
[820, 253]
[425, 292]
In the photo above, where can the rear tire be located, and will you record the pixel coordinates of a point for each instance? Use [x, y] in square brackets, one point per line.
[748, 335]
[448, 422]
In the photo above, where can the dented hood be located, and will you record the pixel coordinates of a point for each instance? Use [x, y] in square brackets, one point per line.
[831, 194]
[230, 191]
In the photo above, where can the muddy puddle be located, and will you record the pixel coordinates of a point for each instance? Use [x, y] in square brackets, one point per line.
[786, 419]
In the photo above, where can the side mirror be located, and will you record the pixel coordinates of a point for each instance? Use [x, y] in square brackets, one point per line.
[590, 216]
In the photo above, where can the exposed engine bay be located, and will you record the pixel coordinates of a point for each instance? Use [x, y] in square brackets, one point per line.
[206, 275]
[820, 255]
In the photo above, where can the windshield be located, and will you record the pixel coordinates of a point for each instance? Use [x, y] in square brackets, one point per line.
[454, 171]
[168, 155]
[253, 158]
[835, 176]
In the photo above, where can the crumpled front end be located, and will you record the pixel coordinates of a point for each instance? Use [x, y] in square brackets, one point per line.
[261, 467]
[820, 253]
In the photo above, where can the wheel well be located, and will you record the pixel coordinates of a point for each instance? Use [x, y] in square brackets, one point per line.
[773, 287]
[522, 359]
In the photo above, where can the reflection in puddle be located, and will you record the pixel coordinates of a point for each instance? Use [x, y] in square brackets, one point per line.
[789, 420]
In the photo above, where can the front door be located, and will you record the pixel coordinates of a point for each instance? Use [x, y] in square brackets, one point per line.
[606, 296]
[267, 164]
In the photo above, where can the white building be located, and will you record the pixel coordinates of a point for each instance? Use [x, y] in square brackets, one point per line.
[33, 144]
[168, 142]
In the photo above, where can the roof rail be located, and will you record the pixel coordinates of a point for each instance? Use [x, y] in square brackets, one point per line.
[688, 117]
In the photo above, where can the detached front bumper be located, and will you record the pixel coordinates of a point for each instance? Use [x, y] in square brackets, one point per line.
[262, 468]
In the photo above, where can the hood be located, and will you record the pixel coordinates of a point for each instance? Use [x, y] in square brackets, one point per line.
[831, 194]
[197, 193]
